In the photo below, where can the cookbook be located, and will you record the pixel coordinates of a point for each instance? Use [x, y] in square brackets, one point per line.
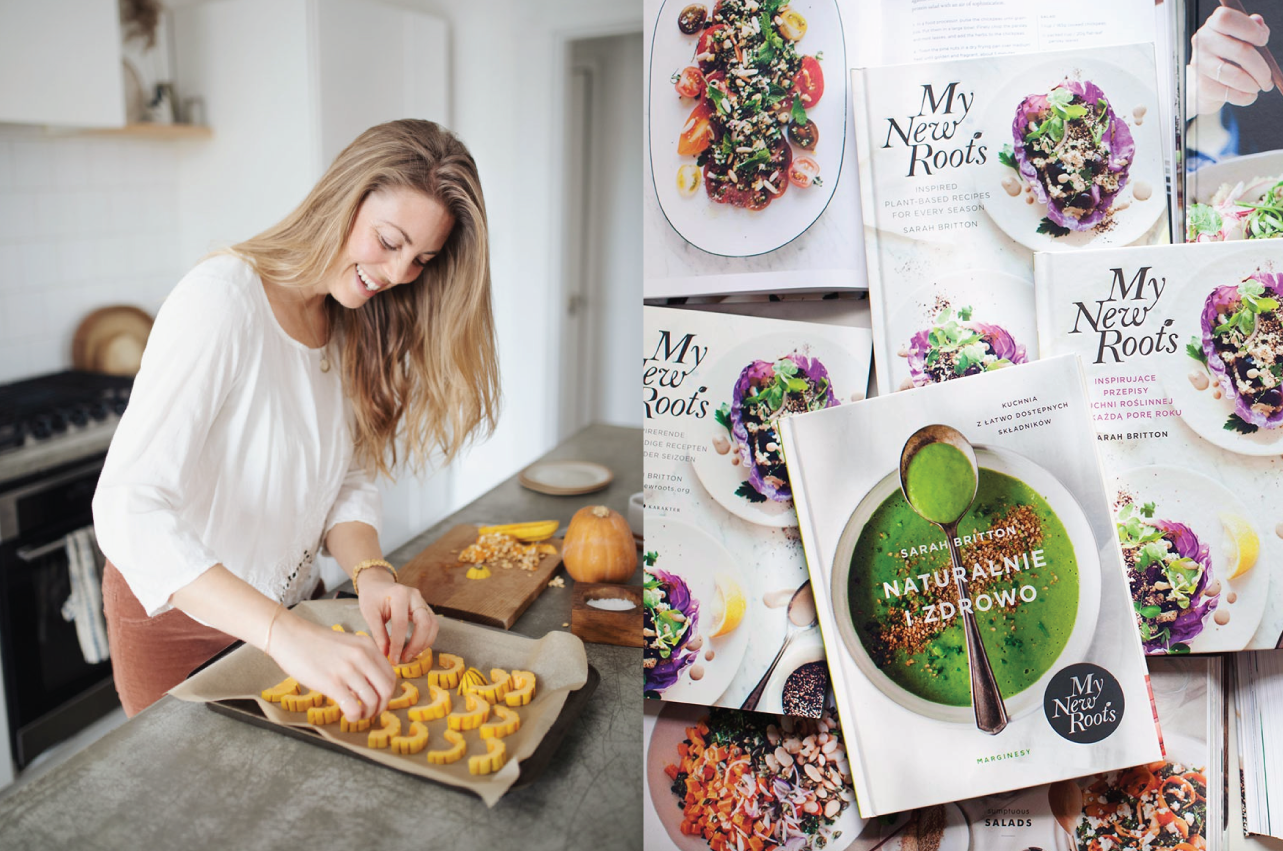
[969, 167]
[1183, 349]
[727, 613]
[750, 151]
[1258, 704]
[969, 587]
[1178, 799]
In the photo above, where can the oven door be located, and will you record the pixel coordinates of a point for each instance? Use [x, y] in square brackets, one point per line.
[51, 691]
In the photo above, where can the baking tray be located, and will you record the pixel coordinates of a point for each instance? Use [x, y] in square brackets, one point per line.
[530, 768]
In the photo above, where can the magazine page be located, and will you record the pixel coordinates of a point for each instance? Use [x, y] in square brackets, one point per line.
[1258, 698]
[932, 30]
[1158, 805]
[1183, 349]
[751, 183]
[978, 630]
[1234, 109]
[969, 167]
[726, 583]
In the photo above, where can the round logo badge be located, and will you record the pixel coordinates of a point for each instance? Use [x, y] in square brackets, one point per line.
[1084, 703]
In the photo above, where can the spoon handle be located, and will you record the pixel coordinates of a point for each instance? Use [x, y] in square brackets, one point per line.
[755, 695]
[986, 700]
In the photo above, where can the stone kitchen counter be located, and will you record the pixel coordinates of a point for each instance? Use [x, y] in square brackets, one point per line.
[182, 776]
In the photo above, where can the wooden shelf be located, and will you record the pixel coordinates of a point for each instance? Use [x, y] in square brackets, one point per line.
[155, 131]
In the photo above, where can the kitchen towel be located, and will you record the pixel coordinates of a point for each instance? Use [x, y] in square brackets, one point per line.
[84, 604]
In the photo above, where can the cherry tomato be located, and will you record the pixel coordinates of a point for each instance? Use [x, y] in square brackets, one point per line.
[692, 18]
[809, 82]
[690, 84]
[803, 171]
[688, 178]
[711, 42]
[697, 132]
[792, 25]
[742, 194]
[805, 136]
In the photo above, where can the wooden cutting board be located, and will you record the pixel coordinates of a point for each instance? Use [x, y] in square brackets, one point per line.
[496, 601]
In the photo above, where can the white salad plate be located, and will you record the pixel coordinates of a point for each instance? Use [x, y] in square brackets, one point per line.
[698, 559]
[1200, 410]
[717, 472]
[1206, 181]
[996, 298]
[1071, 516]
[1183, 496]
[667, 732]
[1181, 750]
[722, 228]
[1126, 91]
[565, 478]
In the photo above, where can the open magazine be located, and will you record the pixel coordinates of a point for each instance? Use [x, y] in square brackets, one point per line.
[969, 587]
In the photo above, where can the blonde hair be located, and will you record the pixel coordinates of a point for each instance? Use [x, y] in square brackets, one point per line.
[419, 361]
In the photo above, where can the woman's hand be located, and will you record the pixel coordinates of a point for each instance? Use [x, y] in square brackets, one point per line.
[389, 607]
[1225, 66]
[345, 667]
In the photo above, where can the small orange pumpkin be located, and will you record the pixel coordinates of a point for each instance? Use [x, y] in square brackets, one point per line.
[599, 546]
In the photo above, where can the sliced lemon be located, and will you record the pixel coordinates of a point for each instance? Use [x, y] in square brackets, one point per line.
[1242, 546]
[728, 605]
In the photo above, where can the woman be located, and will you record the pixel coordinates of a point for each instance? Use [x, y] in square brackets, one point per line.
[277, 381]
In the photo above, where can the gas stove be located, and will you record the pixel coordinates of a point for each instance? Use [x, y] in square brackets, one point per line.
[52, 420]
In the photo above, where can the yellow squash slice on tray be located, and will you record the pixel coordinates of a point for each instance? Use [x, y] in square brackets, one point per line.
[301, 702]
[416, 741]
[437, 707]
[409, 697]
[496, 756]
[494, 690]
[452, 754]
[523, 689]
[353, 726]
[289, 685]
[506, 722]
[322, 715]
[449, 673]
[478, 711]
[382, 737]
[416, 666]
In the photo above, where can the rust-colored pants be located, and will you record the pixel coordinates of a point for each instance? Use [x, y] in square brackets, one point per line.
[149, 656]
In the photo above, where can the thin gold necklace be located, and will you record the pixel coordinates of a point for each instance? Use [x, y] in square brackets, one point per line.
[323, 344]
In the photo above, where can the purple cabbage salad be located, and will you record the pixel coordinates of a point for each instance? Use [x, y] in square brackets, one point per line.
[669, 619]
[955, 346]
[1250, 209]
[765, 392]
[1074, 151]
[1169, 570]
[1242, 345]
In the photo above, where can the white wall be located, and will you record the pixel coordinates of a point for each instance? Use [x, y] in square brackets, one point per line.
[615, 257]
[508, 60]
[85, 222]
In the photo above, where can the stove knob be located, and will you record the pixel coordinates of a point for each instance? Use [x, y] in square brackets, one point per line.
[119, 405]
[79, 415]
[58, 422]
[97, 410]
[41, 427]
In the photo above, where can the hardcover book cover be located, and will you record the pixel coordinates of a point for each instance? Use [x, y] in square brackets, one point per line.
[1183, 349]
[728, 616]
[969, 167]
[970, 588]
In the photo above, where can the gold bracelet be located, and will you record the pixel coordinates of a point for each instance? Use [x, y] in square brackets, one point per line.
[267, 642]
[368, 563]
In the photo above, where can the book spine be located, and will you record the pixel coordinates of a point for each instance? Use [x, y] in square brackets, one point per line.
[801, 502]
[869, 214]
[1044, 306]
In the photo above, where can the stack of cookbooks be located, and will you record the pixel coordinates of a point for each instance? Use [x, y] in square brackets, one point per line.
[1258, 696]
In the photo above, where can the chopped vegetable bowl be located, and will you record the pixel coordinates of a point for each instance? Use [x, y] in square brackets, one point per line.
[956, 345]
[669, 618]
[1169, 570]
[1242, 345]
[1074, 151]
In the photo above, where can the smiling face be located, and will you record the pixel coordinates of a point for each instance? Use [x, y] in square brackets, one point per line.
[396, 232]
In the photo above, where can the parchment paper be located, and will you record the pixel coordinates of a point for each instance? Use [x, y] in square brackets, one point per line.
[557, 660]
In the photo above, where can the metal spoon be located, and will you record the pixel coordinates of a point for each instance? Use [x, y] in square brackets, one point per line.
[802, 617]
[986, 700]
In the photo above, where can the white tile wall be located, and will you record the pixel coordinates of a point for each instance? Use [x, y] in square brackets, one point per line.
[85, 222]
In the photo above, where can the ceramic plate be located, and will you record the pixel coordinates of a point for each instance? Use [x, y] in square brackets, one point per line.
[1183, 496]
[1133, 217]
[721, 228]
[565, 478]
[699, 559]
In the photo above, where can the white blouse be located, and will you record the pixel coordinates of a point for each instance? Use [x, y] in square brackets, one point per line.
[235, 448]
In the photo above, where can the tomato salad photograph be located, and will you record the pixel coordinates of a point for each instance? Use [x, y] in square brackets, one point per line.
[747, 122]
